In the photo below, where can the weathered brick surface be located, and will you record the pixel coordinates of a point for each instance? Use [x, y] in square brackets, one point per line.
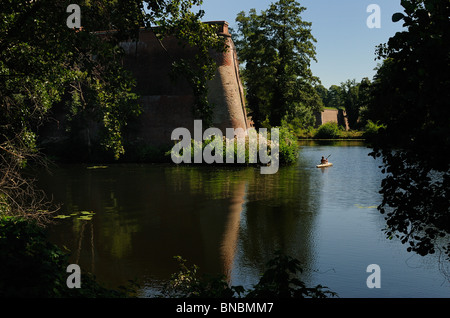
[168, 104]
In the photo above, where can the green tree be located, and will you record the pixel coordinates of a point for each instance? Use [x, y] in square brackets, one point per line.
[350, 94]
[276, 47]
[256, 75]
[354, 97]
[334, 97]
[322, 92]
[365, 90]
[410, 94]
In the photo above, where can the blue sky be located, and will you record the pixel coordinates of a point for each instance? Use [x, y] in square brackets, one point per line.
[345, 45]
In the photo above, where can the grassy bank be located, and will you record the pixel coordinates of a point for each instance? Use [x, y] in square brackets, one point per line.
[332, 130]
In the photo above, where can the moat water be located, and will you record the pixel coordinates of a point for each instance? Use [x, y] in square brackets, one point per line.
[231, 221]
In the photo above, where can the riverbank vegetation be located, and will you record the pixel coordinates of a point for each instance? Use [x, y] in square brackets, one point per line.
[242, 150]
[330, 130]
[280, 280]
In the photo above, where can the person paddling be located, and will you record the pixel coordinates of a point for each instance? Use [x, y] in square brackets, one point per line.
[323, 160]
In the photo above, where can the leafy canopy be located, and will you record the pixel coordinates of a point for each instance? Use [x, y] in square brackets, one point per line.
[410, 98]
[277, 47]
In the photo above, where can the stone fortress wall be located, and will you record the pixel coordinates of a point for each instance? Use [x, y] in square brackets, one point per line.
[168, 104]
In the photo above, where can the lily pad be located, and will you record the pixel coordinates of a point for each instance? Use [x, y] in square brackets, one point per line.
[85, 217]
[61, 216]
[81, 215]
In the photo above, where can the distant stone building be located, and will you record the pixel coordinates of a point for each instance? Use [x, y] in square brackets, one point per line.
[338, 116]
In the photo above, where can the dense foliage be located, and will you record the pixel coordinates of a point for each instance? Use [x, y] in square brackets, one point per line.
[45, 65]
[411, 93]
[288, 146]
[276, 47]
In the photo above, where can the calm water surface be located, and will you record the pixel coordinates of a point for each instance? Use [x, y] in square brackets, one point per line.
[232, 220]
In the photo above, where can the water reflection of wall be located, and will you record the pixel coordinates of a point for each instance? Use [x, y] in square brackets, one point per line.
[145, 215]
[232, 227]
[279, 215]
[266, 213]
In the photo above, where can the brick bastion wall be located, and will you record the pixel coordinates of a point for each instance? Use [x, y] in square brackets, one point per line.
[168, 104]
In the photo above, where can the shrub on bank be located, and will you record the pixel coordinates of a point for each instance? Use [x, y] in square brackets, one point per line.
[298, 130]
[289, 148]
[287, 144]
[371, 129]
[351, 134]
[328, 130]
[307, 133]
